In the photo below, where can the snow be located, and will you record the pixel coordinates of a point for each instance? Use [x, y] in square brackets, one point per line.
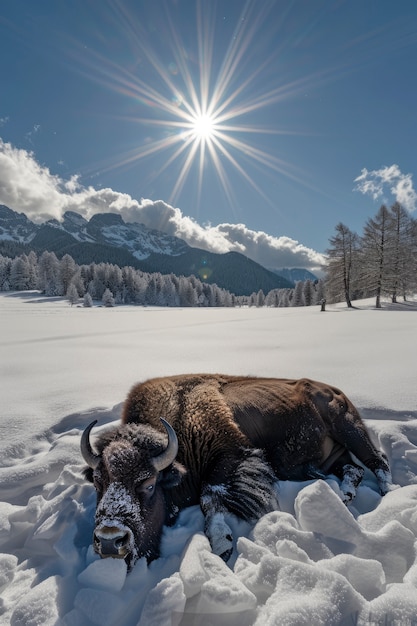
[315, 561]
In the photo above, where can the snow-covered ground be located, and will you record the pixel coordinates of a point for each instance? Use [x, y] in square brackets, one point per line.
[313, 562]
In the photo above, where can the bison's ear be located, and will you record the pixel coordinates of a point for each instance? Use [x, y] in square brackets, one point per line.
[172, 475]
[88, 474]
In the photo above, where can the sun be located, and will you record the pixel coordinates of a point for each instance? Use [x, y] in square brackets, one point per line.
[203, 127]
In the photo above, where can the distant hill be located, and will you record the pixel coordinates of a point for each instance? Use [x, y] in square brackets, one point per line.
[107, 238]
[295, 274]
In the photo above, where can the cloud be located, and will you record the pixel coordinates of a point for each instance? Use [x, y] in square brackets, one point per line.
[376, 183]
[31, 134]
[27, 186]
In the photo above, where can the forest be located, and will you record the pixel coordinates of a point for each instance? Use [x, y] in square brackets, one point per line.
[380, 262]
[110, 285]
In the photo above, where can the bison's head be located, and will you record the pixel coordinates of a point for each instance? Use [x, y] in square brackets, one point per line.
[132, 470]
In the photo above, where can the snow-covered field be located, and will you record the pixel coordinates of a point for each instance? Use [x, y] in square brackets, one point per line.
[313, 562]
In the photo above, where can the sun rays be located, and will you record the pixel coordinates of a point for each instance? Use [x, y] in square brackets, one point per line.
[198, 108]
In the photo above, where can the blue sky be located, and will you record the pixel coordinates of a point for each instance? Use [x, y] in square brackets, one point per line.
[283, 117]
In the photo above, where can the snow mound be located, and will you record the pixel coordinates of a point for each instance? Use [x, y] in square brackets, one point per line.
[324, 563]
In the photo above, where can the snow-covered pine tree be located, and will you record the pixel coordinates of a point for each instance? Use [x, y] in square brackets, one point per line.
[48, 274]
[67, 269]
[77, 280]
[87, 300]
[108, 299]
[5, 265]
[260, 298]
[72, 294]
[20, 273]
[298, 299]
[308, 292]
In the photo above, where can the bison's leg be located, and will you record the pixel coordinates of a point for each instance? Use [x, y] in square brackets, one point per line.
[219, 534]
[351, 432]
[248, 490]
[349, 473]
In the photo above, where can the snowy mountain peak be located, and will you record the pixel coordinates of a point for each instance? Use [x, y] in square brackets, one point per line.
[15, 226]
[103, 228]
[106, 237]
[71, 217]
[106, 219]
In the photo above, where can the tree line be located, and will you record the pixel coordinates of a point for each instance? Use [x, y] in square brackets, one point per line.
[381, 261]
[111, 285]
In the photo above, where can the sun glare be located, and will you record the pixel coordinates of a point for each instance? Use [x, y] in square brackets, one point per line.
[203, 127]
[198, 116]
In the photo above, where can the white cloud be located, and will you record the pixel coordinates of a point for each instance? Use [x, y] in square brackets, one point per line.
[376, 183]
[27, 186]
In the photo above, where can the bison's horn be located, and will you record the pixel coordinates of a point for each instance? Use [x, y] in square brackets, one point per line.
[89, 456]
[168, 455]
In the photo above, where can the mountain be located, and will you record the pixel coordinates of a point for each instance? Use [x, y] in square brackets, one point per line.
[110, 229]
[15, 227]
[295, 274]
[107, 238]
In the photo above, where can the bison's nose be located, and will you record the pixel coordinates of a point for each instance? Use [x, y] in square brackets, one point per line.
[112, 542]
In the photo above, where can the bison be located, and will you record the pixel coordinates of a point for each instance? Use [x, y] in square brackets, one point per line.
[223, 443]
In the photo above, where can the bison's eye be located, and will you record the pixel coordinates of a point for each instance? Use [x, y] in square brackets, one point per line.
[146, 487]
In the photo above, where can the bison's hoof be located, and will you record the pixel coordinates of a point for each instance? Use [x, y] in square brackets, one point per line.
[347, 498]
[220, 536]
[226, 555]
[385, 481]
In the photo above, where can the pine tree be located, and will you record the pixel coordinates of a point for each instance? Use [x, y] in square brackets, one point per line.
[67, 269]
[284, 298]
[108, 299]
[320, 292]
[5, 266]
[33, 269]
[72, 294]
[308, 292]
[20, 273]
[260, 298]
[87, 300]
[78, 282]
[48, 269]
[272, 298]
[298, 299]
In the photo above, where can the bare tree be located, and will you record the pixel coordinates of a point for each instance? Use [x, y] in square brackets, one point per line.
[342, 264]
[377, 253]
[401, 266]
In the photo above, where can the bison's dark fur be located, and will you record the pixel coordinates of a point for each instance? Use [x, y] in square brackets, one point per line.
[236, 437]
